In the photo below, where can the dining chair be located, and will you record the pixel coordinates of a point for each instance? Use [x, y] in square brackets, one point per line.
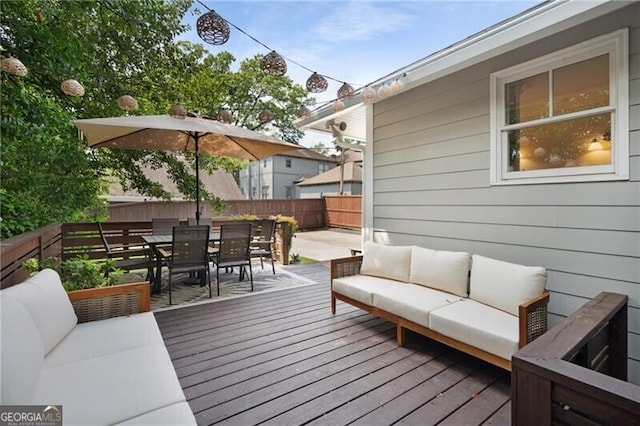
[188, 253]
[234, 250]
[164, 225]
[127, 258]
[203, 221]
[262, 241]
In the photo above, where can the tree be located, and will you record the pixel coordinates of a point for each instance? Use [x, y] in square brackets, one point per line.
[113, 48]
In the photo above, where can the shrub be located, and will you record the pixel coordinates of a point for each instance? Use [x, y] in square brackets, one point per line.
[79, 272]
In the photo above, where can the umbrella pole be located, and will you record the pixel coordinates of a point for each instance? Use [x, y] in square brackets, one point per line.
[196, 137]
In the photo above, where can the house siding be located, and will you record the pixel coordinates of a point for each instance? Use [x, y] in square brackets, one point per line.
[430, 171]
[317, 191]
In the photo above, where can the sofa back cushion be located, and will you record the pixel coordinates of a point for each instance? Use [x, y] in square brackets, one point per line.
[392, 262]
[505, 285]
[443, 270]
[48, 303]
[21, 352]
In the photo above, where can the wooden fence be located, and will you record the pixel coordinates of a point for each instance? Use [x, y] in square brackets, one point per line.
[336, 211]
[343, 211]
[309, 213]
[575, 374]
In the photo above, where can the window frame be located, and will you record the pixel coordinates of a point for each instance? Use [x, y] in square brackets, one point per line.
[616, 45]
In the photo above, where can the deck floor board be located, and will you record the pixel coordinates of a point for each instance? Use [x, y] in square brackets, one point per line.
[281, 358]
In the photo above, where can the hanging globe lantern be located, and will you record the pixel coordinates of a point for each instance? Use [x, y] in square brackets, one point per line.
[178, 111]
[396, 87]
[225, 116]
[212, 28]
[13, 66]
[273, 64]
[338, 106]
[368, 95]
[345, 92]
[303, 111]
[384, 91]
[265, 116]
[317, 83]
[72, 88]
[127, 103]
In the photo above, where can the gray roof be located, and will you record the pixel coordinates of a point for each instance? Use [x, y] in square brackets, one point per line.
[220, 183]
[308, 154]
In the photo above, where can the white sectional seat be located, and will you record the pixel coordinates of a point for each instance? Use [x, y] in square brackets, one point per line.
[109, 371]
[473, 303]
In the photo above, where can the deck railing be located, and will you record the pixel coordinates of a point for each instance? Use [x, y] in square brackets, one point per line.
[68, 240]
[576, 372]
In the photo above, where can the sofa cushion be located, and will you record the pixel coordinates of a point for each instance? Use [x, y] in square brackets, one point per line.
[443, 270]
[111, 388]
[49, 306]
[21, 352]
[478, 325]
[384, 261]
[98, 338]
[505, 285]
[176, 414]
[362, 287]
[412, 302]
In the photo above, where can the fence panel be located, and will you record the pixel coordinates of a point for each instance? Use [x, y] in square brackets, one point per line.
[308, 212]
[344, 211]
[40, 244]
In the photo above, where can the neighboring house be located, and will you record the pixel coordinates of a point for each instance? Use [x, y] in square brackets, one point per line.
[345, 178]
[275, 177]
[521, 143]
[220, 183]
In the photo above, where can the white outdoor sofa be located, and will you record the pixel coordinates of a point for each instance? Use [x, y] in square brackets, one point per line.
[484, 307]
[104, 371]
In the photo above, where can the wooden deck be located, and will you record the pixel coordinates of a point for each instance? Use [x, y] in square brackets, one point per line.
[282, 358]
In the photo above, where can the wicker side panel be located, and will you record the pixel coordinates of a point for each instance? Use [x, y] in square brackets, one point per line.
[536, 323]
[345, 267]
[99, 308]
[107, 302]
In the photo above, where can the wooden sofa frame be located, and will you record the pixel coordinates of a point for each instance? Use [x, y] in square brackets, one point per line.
[532, 317]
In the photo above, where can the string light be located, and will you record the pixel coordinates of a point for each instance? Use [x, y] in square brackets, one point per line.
[276, 64]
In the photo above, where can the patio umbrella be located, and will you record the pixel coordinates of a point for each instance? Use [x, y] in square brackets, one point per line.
[193, 134]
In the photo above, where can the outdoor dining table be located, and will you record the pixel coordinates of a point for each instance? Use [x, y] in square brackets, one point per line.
[155, 240]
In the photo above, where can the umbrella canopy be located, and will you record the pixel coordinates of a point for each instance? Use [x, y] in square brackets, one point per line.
[192, 134]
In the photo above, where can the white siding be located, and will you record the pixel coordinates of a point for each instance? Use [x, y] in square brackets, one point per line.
[431, 187]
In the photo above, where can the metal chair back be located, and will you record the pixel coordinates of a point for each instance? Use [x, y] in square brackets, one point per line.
[190, 247]
[234, 243]
[164, 225]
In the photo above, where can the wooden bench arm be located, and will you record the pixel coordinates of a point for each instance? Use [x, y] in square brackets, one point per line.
[345, 266]
[532, 317]
[100, 303]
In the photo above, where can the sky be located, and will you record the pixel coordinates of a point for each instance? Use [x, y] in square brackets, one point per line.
[354, 41]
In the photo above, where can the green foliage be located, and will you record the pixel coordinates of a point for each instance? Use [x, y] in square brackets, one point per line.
[244, 217]
[78, 273]
[113, 47]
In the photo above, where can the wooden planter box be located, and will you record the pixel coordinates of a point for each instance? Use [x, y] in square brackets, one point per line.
[100, 303]
[283, 243]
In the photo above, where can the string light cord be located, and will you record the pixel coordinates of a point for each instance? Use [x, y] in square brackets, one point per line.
[271, 49]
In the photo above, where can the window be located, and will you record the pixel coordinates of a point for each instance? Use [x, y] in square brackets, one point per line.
[563, 117]
[265, 192]
[288, 192]
[287, 163]
[264, 164]
[323, 167]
